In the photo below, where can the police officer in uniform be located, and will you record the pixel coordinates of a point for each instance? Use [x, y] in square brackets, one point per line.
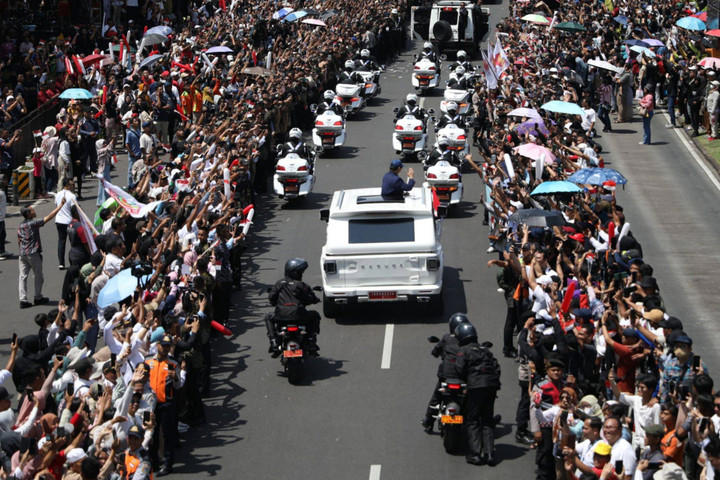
[446, 349]
[329, 104]
[290, 296]
[349, 75]
[545, 394]
[451, 117]
[480, 370]
[411, 108]
[441, 152]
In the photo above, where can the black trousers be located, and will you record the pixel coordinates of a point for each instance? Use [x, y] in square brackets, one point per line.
[62, 240]
[544, 459]
[695, 116]
[479, 425]
[221, 301]
[434, 400]
[166, 422]
[522, 415]
[511, 320]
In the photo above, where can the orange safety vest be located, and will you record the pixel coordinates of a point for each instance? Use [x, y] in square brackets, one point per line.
[160, 380]
[131, 464]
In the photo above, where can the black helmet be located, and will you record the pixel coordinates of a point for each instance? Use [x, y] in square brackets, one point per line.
[295, 267]
[465, 333]
[456, 319]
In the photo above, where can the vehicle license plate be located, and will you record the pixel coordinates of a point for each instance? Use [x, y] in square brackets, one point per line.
[382, 295]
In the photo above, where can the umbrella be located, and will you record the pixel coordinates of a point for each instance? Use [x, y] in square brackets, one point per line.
[163, 30]
[524, 112]
[330, 13]
[147, 62]
[535, 152]
[536, 217]
[260, 71]
[596, 176]
[701, 16]
[713, 33]
[294, 16]
[150, 39]
[314, 21]
[118, 288]
[550, 188]
[532, 127]
[570, 27]
[632, 42]
[94, 58]
[604, 65]
[558, 106]
[691, 23]
[535, 18]
[643, 51]
[76, 94]
[219, 49]
[710, 62]
[282, 13]
[573, 76]
[621, 19]
[653, 42]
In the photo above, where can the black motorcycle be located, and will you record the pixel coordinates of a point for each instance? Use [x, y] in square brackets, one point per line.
[294, 350]
[450, 415]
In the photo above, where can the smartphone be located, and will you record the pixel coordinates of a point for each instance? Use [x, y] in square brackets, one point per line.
[618, 467]
[654, 465]
[14, 338]
[171, 366]
[29, 393]
[113, 359]
[146, 416]
[563, 418]
[696, 361]
[70, 389]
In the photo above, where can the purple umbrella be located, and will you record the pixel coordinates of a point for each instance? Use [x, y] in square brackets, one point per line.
[652, 42]
[219, 49]
[529, 127]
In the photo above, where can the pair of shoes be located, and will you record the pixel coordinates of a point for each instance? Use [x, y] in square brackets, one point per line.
[41, 300]
[484, 222]
[670, 125]
[4, 256]
[475, 460]
[25, 304]
[510, 353]
[490, 249]
[61, 267]
[491, 460]
[164, 470]
[524, 437]
[427, 424]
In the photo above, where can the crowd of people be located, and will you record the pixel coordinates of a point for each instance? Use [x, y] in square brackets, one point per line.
[105, 387]
[609, 383]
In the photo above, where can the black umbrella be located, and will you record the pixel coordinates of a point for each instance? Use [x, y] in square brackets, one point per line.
[536, 217]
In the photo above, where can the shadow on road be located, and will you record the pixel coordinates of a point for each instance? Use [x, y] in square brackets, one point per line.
[316, 369]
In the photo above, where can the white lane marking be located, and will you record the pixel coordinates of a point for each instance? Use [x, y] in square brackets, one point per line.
[696, 156]
[375, 472]
[422, 102]
[387, 353]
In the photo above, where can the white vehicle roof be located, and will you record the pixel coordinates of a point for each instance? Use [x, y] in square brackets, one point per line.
[368, 201]
[451, 3]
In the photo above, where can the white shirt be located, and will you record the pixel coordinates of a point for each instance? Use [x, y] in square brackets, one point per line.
[113, 264]
[642, 415]
[622, 450]
[585, 452]
[588, 118]
[63, 217]
[541, 300]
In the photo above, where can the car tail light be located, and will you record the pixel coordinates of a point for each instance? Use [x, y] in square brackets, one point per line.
[292, 329]
[455, 175]
[433, 263]
[398, 127]
[355, 99]
[330, 267]
[338, 123]
[454, 386]
[279, 168]
[461, 137]
[318, 123]
[431, 175]
[418, 128]
[302, 168]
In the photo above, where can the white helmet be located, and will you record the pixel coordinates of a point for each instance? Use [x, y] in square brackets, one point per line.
[411, 97]
[349, 64]
[365, 53]
[328, 95]
[295, 133]
[427, 45]
[452, 106]
[460, 71]
[461, 54]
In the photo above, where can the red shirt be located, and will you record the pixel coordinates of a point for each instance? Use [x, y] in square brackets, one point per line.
[625, 367]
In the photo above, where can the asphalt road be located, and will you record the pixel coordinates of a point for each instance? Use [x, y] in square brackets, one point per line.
[357, 415]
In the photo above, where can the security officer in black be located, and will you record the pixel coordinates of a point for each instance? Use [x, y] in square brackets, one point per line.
[411, 108]
[481, 371]
[446, 349]
[441, 152]
[289, 296]
[451, 117]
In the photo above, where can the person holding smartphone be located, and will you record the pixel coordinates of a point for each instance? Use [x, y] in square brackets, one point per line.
[651, 457]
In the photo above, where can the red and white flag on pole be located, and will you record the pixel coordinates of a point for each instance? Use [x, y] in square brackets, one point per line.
[69, 67]
[88, 229]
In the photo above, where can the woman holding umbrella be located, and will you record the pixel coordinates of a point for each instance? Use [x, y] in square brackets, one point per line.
[647, 106]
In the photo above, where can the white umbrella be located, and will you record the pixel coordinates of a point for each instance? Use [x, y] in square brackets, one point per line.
[604, 65]
[524, 112]
[153, 39]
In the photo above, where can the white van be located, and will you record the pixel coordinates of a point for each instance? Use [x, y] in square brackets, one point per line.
[381, 250]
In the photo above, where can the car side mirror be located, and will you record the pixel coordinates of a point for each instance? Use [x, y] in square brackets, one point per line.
[433, 339]
[325, 214]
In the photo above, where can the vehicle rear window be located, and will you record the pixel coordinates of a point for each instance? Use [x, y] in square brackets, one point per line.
[382, 230]
[449, 14]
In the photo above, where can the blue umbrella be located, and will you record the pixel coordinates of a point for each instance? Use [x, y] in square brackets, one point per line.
[549, 188]
[691, 23]
[558, 106]
[294, 16]
[150, 60]
[118, 288]
[76, 94]
[282, 13]
[163, 30]
[632, 42]
[597, 176]
[621, 19]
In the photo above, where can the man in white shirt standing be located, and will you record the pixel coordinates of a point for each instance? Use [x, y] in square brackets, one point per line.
[63, 218]
[591, 437]
[621, 448]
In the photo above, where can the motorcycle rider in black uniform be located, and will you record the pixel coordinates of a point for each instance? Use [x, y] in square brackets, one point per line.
[459, 81]
[411, 108]
[451, 117]
[290, 296]
[295, 144]
[441, 153]
[366, 63]
[446, 349]
[328, 104]
[428, 52]
[462, 61]
[481, 371]
[349, 75]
